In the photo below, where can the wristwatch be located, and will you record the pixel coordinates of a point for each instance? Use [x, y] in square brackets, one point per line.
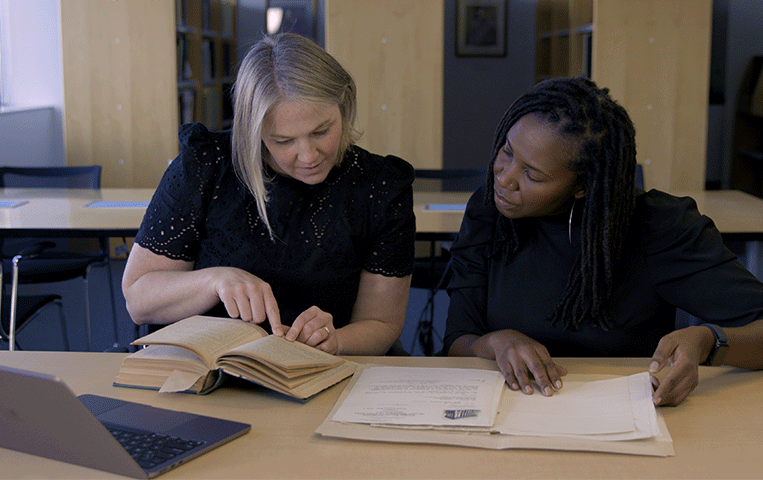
[721, 347]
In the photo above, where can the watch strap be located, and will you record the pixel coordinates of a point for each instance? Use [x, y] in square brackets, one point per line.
[718, 353]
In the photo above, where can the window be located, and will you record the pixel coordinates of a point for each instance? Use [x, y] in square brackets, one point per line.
[3, 43]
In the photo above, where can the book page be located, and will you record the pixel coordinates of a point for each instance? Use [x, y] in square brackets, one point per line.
[282, 354]
[164, 358]
[207, 337]
[447, 397]
[316, 383]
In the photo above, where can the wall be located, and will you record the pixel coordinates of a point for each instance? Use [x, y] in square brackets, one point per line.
[477, 91]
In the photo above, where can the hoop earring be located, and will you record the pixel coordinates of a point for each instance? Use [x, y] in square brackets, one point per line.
[569, 224]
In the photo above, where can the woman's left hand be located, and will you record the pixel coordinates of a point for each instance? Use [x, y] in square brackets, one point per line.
[315, 327]
[683, 350]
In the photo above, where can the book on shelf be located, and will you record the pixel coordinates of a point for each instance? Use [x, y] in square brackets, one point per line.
[208, 60]
[226, 61]
[180, 12]
[206, 15]
[187, 103]
[226, 19]
[196, 354]
[183, 64]
[212, 109]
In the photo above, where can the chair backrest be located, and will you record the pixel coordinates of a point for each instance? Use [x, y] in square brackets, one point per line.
[640, 176]
[51, 177]
[451, 179]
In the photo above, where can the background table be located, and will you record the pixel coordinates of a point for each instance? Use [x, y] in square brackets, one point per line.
[716, 432]
[738, 216]
[71, 214]
[63, 212]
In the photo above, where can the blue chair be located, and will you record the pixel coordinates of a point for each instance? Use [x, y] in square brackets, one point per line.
[40, 262]
[640, 176]
[26, 308]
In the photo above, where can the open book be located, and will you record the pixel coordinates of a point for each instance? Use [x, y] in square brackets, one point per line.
[193, 355]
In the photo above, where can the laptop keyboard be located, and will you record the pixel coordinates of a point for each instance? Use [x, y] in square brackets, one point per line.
[150, 449]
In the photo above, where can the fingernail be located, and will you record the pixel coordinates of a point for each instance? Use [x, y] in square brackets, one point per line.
[558, 384]
[548, 392]
[654, 367]
[528, 389]
[657, 400]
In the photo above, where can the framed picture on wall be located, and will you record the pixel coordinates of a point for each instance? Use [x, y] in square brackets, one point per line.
[480, 28]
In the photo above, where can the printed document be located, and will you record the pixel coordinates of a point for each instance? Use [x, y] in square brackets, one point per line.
[474, 407]
[446, 397]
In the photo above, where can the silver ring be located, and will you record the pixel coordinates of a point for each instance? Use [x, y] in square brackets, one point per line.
[328, 332]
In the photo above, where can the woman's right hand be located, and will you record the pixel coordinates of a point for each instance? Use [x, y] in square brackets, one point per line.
[246, 296]
[522, 359]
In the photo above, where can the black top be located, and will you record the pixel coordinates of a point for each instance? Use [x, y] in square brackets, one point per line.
[359, 218]
[673, 257]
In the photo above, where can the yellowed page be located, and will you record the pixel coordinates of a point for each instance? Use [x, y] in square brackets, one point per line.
[257, 369]
[304, 391]
[156, 358]
[207, 337]
[282, 354]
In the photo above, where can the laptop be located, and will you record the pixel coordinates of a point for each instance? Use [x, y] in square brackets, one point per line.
[40, 415]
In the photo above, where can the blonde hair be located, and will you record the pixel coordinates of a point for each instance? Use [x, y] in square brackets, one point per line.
[277, 68]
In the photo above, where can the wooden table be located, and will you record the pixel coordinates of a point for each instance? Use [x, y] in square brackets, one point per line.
[64, 212]
[439, 214]
[717, 431]
[735, 213]
[75, 213]
[108, 212]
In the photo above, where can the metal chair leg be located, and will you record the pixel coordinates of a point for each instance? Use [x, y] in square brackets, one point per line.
[14, 301]
[109, 272]
[87, 313]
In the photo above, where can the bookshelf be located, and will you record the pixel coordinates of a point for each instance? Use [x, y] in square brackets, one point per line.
[206, 60]
[564, 38]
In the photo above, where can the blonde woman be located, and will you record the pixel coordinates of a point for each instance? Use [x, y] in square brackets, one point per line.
[281, 221]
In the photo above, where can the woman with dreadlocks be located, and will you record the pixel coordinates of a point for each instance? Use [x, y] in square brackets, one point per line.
[559, 254]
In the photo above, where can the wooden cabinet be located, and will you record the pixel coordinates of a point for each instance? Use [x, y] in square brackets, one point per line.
[393, 50]
[120, 88]
[206, 59]
[654, 56]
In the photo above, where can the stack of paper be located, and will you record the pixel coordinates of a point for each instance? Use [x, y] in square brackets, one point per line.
[475, 408]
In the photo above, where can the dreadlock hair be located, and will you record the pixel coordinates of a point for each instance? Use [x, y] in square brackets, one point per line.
[605, 165]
